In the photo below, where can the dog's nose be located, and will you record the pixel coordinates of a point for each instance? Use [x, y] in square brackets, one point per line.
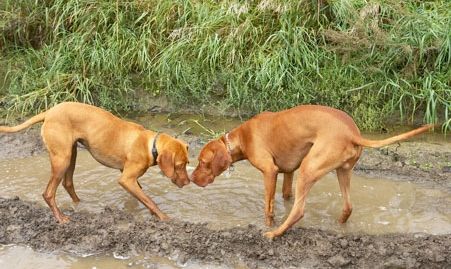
[183, 184]
[201, 184]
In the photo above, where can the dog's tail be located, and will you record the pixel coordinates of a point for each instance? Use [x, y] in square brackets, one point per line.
[26, 124]
[380, 143]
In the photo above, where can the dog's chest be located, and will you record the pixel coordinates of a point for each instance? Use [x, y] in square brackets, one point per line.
[290, 159]
[107, 160]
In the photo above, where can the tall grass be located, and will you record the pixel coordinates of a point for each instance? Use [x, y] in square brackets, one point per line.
[374, 59]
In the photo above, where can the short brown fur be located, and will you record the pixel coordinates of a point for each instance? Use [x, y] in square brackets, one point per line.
[111, 141]
[314, 139]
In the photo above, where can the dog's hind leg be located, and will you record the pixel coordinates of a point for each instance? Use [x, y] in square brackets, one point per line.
[59, 145]
[59, 167]
[287, 185]
[320, 160]
[68, 182]
[344, 179]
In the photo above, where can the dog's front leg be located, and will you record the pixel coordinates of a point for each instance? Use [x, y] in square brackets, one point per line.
[270, 178]
[129, 181]
[263, 161]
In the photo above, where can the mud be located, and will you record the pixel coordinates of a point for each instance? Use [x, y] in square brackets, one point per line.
[418, 162]
[22, 144]
[119, 232]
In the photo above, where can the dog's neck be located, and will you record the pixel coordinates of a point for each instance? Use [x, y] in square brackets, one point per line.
[154, 149]
[232, 143]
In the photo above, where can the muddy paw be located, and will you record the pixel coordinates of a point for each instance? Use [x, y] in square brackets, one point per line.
[164, 218]
[63, 219]
[269, 235]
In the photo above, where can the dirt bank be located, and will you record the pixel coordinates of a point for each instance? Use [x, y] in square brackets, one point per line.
[116, 231]
[418, 162]
[22, 144]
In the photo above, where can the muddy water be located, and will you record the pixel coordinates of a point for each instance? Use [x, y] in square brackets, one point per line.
[12, 257]
[380, 206]
[198, 125]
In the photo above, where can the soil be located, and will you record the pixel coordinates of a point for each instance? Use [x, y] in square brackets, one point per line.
[23, 222]
[22, 144]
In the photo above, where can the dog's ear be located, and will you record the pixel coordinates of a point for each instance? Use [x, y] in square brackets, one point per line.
[165, 161]
[220, 162]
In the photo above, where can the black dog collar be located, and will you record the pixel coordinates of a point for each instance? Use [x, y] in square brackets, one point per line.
[154, 149]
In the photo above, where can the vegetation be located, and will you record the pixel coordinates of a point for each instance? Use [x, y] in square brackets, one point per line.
[375, 59]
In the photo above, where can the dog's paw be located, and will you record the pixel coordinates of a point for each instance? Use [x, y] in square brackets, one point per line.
[63, 219]
[164, 217]
[270, 235]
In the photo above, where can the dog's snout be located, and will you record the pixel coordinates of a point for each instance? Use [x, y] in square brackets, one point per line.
[199, 183]
[182, 184]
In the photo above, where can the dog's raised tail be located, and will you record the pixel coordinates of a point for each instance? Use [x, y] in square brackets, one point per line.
[380, 143]
[26, 124]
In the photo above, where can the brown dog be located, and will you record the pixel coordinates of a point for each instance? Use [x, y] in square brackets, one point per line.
[112, 142]
[315, 139]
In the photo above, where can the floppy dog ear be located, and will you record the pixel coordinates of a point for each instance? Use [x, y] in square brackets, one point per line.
[166, 163]
[220, 162]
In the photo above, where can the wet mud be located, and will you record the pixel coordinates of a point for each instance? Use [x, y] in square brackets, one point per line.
[22, 144]
[418, 162]
[119, 232]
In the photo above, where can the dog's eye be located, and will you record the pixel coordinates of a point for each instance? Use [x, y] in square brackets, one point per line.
[179, 166]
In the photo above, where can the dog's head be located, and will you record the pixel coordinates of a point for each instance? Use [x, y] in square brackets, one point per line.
[172, 159]
[213, 160]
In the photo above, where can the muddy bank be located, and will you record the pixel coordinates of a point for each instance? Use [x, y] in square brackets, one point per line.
[115, 231]
[22, 144]
[418, 162]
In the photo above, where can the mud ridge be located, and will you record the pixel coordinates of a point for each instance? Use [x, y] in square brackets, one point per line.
[115, 231]
[22, 144]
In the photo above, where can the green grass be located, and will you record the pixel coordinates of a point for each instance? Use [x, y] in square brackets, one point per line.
[375, 61]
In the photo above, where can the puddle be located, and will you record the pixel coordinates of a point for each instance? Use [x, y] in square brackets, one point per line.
[12, 257]
[210, 126]
[380, 206]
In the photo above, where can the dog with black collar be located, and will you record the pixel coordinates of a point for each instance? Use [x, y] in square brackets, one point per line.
[113, 142]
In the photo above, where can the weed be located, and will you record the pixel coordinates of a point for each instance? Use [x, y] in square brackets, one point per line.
[371, 59]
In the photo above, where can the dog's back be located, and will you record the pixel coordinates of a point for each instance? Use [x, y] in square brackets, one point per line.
[98, 130]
